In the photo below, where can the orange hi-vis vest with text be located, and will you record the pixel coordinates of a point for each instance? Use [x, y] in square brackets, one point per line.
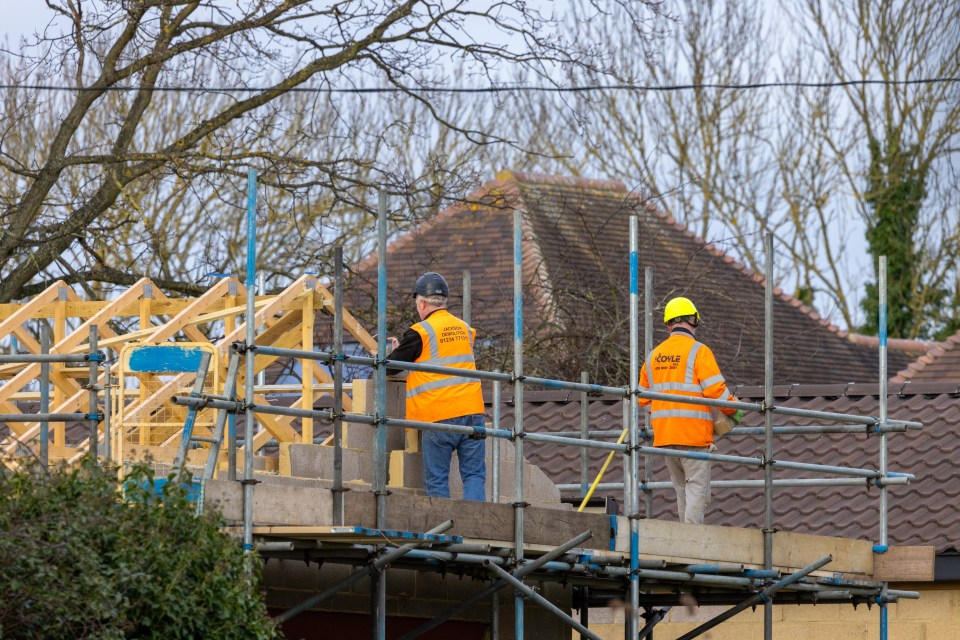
[431, 397]
[681, 366]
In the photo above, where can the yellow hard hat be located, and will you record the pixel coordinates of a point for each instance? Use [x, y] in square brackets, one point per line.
[679, 308]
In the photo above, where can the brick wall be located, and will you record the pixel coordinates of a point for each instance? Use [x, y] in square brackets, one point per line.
[935, 616]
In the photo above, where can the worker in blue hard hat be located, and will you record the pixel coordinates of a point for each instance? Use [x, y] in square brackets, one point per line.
[443, 339]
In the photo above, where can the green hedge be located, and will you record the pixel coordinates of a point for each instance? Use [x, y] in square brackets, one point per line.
[77, 560]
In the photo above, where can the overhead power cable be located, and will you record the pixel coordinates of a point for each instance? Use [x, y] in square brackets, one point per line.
[492, 89]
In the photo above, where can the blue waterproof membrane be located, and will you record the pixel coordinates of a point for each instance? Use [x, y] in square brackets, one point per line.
[614, 525]
[192, 488]
[162, 359]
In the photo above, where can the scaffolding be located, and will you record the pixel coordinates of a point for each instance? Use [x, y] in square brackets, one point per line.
[646, 583]
[763, 584]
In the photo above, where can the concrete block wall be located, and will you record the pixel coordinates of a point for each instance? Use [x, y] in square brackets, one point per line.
[316, 461]
[405, 467]
[361, 436]
[412, 594]
[935, 616]
[406, 470]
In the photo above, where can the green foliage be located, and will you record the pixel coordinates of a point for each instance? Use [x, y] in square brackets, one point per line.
[895, 194]
[80, 561]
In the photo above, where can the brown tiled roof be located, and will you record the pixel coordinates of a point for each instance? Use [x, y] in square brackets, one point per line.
[941, 363]
[925, 512]
[576, 281]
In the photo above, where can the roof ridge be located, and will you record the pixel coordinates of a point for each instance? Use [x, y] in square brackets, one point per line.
[561, 181]
[900, 344]
[533, 262]
[918, 365]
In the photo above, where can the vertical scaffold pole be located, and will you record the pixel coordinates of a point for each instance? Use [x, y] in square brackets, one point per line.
[232, 420]
[495, 497]
[882, 334]
[107, 409]
[634, 507]
[379, 578]
[338, 385]
[250, 321]
[495, 454]
[625, 421]
[647, 348]
[518, 504]
[92, 371]
[467, 298]
[380, 399]
[44, 395]
[584, 435]
[768, 431]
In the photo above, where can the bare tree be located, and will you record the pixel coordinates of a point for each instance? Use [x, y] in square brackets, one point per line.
[893, 147]
[135, 165]
[733, 162]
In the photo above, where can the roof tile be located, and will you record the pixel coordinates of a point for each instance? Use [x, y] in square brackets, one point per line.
[925, 512]
[575, 273]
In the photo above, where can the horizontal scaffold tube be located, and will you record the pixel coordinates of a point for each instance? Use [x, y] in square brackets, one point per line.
[541, 437]
[324, 356]
[745, 484]
[818, 429]
[759, 431]
[500, 433]
[757, 462]
[46, 417]
[30, 358]
[577, 386]
[705, 575]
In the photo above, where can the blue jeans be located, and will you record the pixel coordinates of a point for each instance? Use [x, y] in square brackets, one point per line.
[438, 448]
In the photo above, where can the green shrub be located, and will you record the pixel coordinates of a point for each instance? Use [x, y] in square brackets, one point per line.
[77, 560]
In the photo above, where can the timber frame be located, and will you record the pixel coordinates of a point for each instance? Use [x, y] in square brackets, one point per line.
[287, 320]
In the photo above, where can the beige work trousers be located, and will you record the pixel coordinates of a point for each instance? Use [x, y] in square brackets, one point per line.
[691, 481]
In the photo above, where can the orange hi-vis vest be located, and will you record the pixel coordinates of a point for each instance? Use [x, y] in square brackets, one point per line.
[431, 397]
[681, 366]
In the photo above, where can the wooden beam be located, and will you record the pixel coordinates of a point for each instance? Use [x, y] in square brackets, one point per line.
[307, 367]
[31, 309]
[302, 286]
[905, 564]
[350, 323]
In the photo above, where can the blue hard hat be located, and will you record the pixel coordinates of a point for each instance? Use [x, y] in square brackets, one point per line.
[431, 284]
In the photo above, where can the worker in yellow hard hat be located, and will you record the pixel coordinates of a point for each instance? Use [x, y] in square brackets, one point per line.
[681, 366]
